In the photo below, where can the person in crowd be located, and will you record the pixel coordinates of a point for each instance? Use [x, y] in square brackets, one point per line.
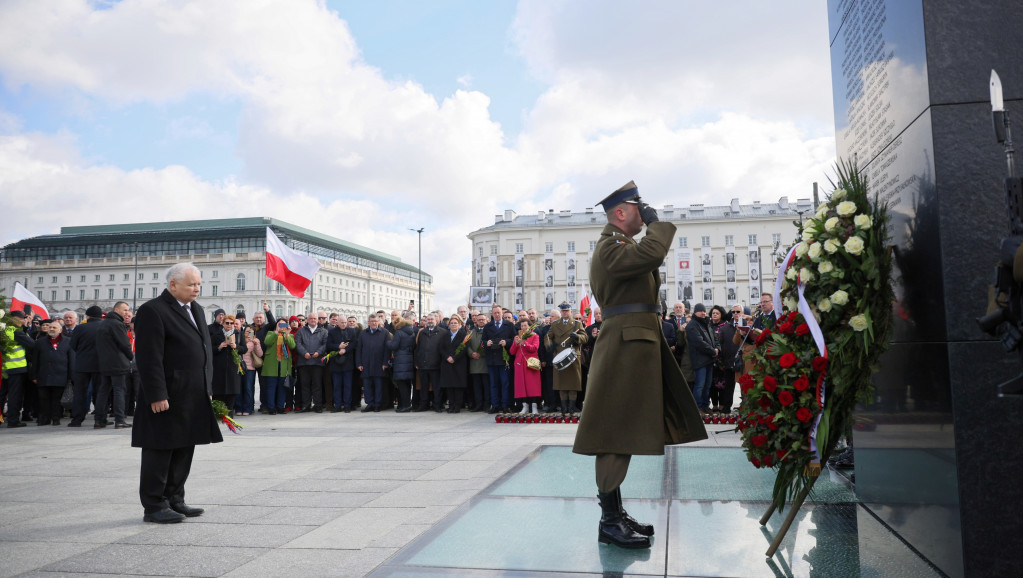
[131, 395]
[703, 350]
[16, 367]
[403, 346]
[498, 336]
[113, 349]
[636, 403]
[252, 361]
[310, 347]
[454, 366]
[354, 325]
[263, 323]
[175, 378]
[371, 358]
[767, 317]
[525, 346]
[428, 363]
[723, 383]
[680, 347]
[567, 333]
[52, 367]
[325, 384]
[551, 398]
[279, 353]
[478, 372]
[226, 372]
[342, 341]
[87, 377]
[70, 322]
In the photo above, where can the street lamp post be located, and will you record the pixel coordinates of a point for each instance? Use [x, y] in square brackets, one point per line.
[135, 289]
[420, 232]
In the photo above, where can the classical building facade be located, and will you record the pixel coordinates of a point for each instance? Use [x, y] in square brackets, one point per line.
[720, 255]
[99, 265]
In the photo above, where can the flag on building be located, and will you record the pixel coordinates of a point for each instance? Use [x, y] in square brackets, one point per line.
[288, 267]
[25, 300]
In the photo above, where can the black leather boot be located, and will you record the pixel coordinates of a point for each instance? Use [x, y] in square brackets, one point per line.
[613, 528]
[638, 527]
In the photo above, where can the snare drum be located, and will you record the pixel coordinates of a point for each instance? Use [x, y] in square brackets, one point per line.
[565, 359]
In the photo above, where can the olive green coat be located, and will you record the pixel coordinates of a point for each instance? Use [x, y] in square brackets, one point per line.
[570, 378]
[636, 399]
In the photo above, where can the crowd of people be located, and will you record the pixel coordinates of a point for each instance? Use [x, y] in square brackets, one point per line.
[498, 361]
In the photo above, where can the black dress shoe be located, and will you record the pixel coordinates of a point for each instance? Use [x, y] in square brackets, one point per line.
[376, 409]
[187, 510]
[99, 426]
[318, 410]
[348, 410]
[11, 424]
[75, 424]
[493, 410]
[164, 516]
[122, 426]
[405, 409]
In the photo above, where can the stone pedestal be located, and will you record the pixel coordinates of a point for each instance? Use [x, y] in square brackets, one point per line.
[938, 453]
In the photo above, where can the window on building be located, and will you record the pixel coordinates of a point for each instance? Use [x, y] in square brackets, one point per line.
[729, 240]
[156, 276]
[81, 294]
[593, 246]
[139, 292]
[571, 246]
[142, 276]
[154, 292]
[82, 279]
[776, 239]
[278, 311]
[125, 292]
[126, 276]
[752, 239]
[548, 247]
[111, 276]
[705, 241]
[97, 278]
[67, 295]
[200, 290]
[239, 284]
[53, 295]
[683, 242]
[67, 279]
[110, 293]
[480, 251]
[214, 291]
[493, 249]
[40, 281]
[518, 247]
[216, 273]
[95, 293]
[54, 279]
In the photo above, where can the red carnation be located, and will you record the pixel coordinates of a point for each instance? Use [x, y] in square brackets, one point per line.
[820, 363]
[788, 360]
[770, 384]
[803, 329]
[755, 462]
[792, 316]
[763, 336]
[801, 384]
[758, 440]
[804, 415]
[785, 398]
[785, 328]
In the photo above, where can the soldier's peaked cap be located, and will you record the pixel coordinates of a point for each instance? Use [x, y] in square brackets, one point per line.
[628, 192]
[564, 306]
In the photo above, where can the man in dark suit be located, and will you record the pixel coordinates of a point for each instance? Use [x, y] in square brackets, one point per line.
[497, 337]
[83, 343]
[175, 362]
[113, 348]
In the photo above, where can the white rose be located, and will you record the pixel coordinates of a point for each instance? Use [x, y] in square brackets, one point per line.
[825, 267]
[791, 273]
[3, 326]
[2, 312]
[831, 224]
[822, 209]
[858, 322]
[805, 275]
[785, 284]
[824, 305]
[838, 195]
[790, 304]
[807, 234]
[831, 246]
[846, 208]
[854, 245]
[815, 251]
[840, 297]
[863, 222]
[801, 249]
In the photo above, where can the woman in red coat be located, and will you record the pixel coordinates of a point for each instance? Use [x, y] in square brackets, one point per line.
[527, 381]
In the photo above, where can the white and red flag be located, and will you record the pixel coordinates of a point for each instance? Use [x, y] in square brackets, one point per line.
[23, 297]
[288, 267]
[586, 306]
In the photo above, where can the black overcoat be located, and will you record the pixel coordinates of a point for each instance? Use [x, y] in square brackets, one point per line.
[113, 348]
[403, 345]
[225, 371]
[52, 367]
[428, 348]
[372, 353]
[83, 343]
[175, 363]
[335, 337]
[454, 374]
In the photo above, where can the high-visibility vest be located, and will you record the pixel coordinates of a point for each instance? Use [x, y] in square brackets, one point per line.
[15, 358]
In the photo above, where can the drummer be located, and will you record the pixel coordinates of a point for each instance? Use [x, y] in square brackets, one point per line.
[566, 334]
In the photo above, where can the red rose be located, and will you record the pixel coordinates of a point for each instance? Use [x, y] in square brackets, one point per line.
[788, 360]
[763, 336]
[785, 328]
[758, 440]
[785, 398]
[746, 382]
[771, 424]
[767, 461]
[820, 363]
[780, 453]
[792, 317]
[770, 384]
[803, 329]
[755, 462]
[804, 415]
[801, 384]
[764, 403]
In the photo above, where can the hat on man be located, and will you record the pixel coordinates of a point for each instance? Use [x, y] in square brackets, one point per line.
[19, 314]
[628, 193]
[699, 307]
[565, 306]
[94, 311]
[219, 312]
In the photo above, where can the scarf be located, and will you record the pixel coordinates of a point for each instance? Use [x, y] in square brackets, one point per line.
[282, 348]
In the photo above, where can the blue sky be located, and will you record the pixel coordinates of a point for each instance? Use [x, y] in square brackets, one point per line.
[373, 117]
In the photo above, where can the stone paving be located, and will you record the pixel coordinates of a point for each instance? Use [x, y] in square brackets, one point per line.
[292, 495]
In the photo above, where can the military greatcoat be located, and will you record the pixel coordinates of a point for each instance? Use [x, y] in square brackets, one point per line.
[636, 400]
[570, 378]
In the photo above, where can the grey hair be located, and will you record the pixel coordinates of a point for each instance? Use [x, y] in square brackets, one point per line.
[177, 272]
[73, 314]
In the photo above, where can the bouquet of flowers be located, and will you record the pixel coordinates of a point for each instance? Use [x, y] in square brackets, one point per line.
[461, 346]
[223, 414]
[836, 284]
[237, 359]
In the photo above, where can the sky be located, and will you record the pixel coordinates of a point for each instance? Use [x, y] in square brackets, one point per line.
[363, 120]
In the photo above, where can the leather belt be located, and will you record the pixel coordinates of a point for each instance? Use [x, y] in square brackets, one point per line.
[630, 308]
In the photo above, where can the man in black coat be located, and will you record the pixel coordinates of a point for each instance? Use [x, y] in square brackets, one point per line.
[174, 357]
[83, 343]
[428, 362]
[51, 365]
[113, 349]
[342, 340]
[497, 338]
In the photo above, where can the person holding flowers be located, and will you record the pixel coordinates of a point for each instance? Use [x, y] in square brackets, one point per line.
[478, 372]
[403, 346]
[454, 366]
[527, 374]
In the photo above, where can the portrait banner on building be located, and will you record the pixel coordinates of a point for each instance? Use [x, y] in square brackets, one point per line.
[706, 278]
[755, 287]
[684, 275]
[731, 291]
[663, 293]
[570, 271]
[548, 279]
[492, 270]
[520, 276]
[477, 267]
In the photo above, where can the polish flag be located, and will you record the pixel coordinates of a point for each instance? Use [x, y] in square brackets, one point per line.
[288, 267]
[23, 297]
[587, 302]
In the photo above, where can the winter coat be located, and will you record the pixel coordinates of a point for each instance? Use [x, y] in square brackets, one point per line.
[52, 367]
[335, 337]
[702, 342]
[312, 342]
[83, 343]
[372, 353]
[428, 348]
[527, 381]
[273, 367]
[113, 348]
[225, 370]
[491, 332]
[403, 344]
[572, 332]
[478, 365]
[456, 374]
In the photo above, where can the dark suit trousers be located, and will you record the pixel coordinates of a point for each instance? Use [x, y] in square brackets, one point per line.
[50, 409]
[15, 396]
[115, 385]
[162, 477]
[311, 377]
[80, 405]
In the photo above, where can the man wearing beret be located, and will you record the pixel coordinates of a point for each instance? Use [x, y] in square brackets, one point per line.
[637, 400]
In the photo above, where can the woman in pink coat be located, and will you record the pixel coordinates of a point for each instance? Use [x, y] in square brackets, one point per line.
[527, 381]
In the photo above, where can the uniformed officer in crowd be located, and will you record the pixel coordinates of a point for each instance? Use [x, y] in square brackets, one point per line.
[637, 400]
[564, 334]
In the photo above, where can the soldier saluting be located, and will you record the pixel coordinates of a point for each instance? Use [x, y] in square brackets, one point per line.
[637, 400]
[567, 333]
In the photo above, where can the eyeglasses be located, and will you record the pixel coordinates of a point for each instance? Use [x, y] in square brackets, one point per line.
[322, 318]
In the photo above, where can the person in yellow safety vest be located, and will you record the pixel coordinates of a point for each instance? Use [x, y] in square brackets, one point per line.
[16, 367]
